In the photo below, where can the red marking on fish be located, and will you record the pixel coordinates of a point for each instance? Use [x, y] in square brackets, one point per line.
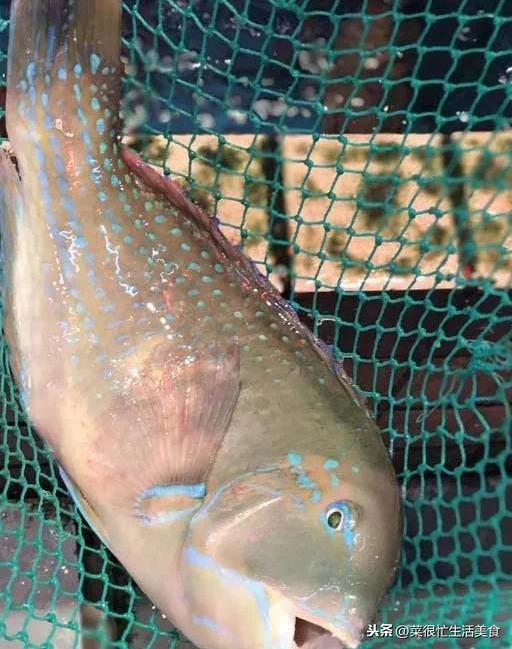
[167, 298]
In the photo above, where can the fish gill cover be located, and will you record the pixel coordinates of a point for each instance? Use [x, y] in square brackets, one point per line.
[370, 176]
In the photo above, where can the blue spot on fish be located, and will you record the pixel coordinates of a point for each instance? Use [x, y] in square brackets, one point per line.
[78, 70]
[316, 496]
[304, 481]
[59, 164]
[62, 74]
[100, 126]
[31, 72]
[86, 137]
[331, 464]
[301, 477]
[80, 309]
[95, 63]
[334, 480]
[50, 47]
[294, 459]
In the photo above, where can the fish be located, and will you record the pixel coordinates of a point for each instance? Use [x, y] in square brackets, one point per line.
[204, 432]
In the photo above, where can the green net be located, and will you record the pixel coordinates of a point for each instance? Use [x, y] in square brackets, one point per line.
[359, 153]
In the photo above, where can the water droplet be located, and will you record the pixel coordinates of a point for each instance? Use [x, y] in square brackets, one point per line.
[372, 63]
[357, 102]
[164, 116]
[206, 120]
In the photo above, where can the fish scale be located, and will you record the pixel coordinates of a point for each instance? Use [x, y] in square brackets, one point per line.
[203, 431]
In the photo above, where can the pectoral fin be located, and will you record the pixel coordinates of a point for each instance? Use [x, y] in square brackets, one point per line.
[162, 433]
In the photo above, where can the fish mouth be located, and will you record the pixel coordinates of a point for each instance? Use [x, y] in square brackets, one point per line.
[313, 635]
[299, 625]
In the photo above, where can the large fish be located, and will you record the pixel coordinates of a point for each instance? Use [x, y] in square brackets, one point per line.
[206, 435]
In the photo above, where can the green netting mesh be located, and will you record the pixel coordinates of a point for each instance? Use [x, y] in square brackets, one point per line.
[368, 170]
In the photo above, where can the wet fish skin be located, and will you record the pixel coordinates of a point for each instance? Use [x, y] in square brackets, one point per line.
[199, 424]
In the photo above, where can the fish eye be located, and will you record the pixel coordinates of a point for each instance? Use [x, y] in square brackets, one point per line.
[335, 518]
[342, 515]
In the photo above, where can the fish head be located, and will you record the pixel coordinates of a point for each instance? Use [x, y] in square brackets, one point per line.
[296, 555]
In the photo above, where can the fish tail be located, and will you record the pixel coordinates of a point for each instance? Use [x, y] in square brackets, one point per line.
[63, 70]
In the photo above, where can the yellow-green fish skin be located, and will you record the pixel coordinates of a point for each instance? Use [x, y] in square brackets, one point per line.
[206, 434]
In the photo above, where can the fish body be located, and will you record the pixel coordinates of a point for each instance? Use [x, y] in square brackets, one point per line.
[206, 435]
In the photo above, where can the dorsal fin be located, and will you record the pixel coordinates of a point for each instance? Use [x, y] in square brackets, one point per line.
[247, 271]
[159, 184]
